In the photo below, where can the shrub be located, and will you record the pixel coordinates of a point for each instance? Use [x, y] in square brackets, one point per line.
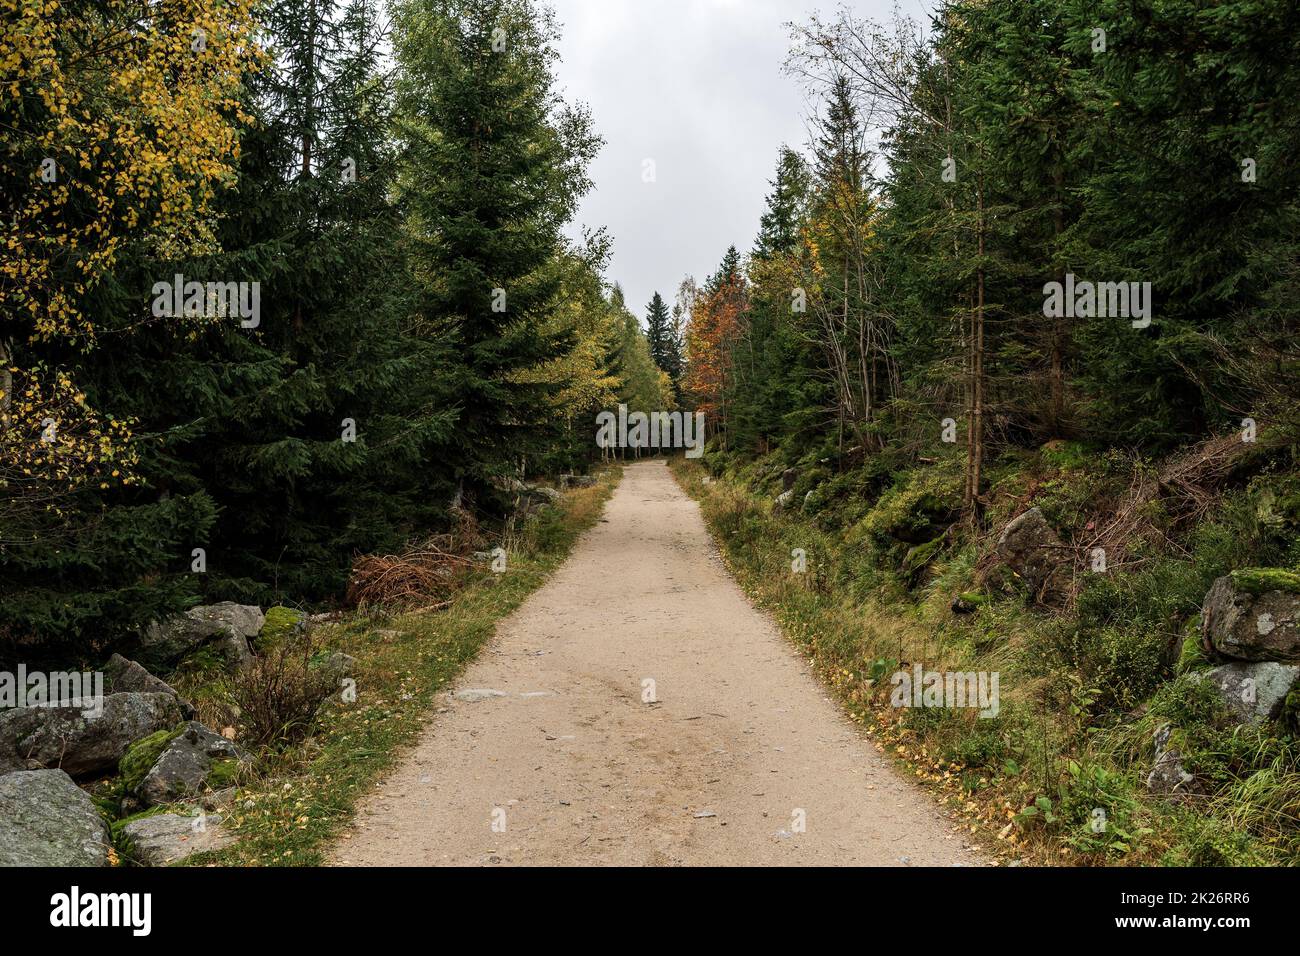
[1064, 455]
[982, 747]
[280, 694]
[1098, 806]
[915, 510]
[1125, 666]
[1207, 841]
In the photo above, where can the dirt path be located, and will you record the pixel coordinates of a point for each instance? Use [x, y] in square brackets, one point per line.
[581, 771]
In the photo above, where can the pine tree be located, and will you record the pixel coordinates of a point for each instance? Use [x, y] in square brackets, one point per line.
[776, 391]
[318, 452]
[659, 334]
[492, 165]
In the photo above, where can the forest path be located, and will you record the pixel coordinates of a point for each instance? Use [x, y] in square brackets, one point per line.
[580, 771]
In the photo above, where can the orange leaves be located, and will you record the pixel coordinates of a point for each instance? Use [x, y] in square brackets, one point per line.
[717, 319]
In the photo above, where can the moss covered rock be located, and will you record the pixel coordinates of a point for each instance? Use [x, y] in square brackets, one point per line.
[918, 558]
[913, 512]
[280, 623]
[117, 826]
[1258, 581]
[1168, 777]
[47, 820]
[1030, 547]
[224, 773]
[1254, 615]
[1191, 652]
[142, 755]
[1252, 693]
[161, 839]
[968, 602]
[188, 764]
[86, 743]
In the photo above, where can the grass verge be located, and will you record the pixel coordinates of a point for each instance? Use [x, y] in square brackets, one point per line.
[1057, 777]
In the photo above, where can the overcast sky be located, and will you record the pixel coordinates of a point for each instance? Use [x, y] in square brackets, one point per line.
[697, 87]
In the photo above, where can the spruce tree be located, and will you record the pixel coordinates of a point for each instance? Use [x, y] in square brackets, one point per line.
[325, 461]
[776, 392]
[492, 165]
[659, 334]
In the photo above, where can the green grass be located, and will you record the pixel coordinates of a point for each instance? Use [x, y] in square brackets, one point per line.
[298, 802]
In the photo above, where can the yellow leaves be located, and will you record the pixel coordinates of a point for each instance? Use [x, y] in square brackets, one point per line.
[172, 143]
[51, 443]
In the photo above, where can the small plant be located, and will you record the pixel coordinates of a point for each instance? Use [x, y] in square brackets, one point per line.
[1099, 810]
[1040, 809]
[280, 694]
[880, 668]
[982, 747]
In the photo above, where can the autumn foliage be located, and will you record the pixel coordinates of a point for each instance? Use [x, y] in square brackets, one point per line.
[118, 124]
[717, 314]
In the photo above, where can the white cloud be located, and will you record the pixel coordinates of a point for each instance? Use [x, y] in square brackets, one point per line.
[697, 87]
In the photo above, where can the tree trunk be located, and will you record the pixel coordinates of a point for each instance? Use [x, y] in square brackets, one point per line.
[975, 439]
[308, 123]
[6, 381]
[1059, 331]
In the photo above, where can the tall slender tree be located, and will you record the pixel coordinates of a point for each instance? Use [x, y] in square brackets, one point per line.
[659, 333]
[492, 166]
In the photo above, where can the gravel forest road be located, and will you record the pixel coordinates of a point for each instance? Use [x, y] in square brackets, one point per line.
[547, 751]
